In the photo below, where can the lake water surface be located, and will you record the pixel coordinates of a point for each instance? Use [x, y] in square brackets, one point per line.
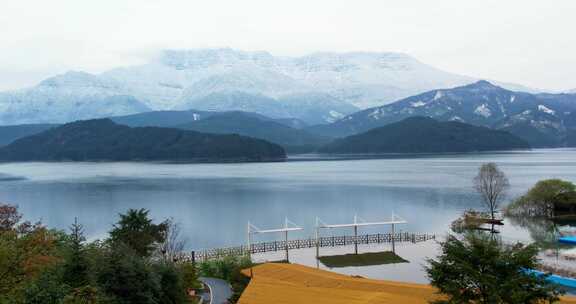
[214, 202]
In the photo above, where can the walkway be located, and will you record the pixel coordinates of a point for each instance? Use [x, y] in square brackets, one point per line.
[220, 290]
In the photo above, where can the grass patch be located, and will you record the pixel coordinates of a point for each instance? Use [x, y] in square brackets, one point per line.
[363, 259]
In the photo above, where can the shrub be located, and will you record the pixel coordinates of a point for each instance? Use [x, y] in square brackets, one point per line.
[478, 269]
[542, 199]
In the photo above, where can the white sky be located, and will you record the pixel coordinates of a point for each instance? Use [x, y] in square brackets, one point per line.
[521, 41]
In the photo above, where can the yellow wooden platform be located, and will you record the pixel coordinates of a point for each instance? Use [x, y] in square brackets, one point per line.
[293, 284]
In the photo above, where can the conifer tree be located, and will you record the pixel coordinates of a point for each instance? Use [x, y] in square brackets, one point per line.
[76, 266]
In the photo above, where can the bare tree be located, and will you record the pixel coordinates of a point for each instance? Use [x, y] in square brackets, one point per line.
[492, 184]
[173, 245]
[9, 217]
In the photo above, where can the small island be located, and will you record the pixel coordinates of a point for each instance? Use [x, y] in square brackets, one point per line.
[104, 140]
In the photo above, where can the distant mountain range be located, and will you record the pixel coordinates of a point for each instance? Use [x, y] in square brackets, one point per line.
[102, 139]
[317, 88]
[297, 102]
[540, 119]
[426, 135]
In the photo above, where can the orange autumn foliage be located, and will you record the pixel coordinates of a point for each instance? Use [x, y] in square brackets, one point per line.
[25, 249]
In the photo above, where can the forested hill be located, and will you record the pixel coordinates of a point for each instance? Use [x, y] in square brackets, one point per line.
[426, 135]
[102, 139]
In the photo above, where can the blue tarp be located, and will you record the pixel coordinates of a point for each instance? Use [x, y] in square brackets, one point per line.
[568, 282]
[568, 240]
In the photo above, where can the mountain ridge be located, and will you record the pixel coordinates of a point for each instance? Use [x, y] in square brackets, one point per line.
[338, 83]
[481, 103]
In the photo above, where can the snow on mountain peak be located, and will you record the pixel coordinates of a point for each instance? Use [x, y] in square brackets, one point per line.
[418, 104]
[364, 79]
[79, 79]
[201, 58]
[482, 85]
[312, 87]
[483, 110]
[438, 95]
[543, 108]
[387, 60]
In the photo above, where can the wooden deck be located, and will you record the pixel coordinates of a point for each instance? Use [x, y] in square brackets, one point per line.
[293, 284]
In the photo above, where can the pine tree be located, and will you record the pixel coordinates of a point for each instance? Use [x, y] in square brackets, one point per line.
[136, 230]
[76, 265]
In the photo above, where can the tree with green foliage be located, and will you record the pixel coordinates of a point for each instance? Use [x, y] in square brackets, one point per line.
[76, 265]
[543, 198]
[48, 288]
[38, 265]
[83, 295]
[138, 232]
[128, 278]
[172, 286]
[229, 269]
[479, 269]
[189, 276]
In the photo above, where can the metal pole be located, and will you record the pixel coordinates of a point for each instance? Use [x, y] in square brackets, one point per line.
[286, 237]
[393, 239]
[249, 243]
[250, 250]
[355, 239]
[317, 239]
[355, 236]
[286, 245]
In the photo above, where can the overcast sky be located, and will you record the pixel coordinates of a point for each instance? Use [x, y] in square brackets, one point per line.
[521, 41]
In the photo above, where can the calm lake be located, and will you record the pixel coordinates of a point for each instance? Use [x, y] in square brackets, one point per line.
[214, 202]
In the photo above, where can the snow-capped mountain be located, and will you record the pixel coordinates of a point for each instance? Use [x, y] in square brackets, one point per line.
[369, 79]
[359, 78]
[317, 88]
[480, 103]
[67, 97]
[176, 77]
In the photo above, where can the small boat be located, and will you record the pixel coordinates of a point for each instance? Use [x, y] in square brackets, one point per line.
[567, 240]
